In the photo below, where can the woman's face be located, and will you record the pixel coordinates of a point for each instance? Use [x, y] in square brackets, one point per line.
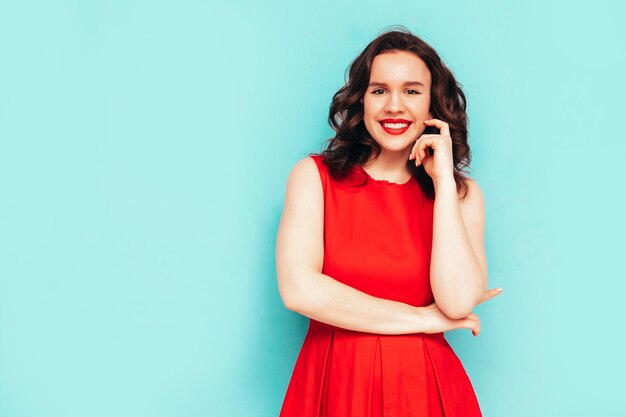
[397, 100]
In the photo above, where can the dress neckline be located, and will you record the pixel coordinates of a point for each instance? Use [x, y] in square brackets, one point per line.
[385, 182]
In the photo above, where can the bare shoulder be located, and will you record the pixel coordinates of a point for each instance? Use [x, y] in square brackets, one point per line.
[304, 167]
[474, 194]
[304, 177]
[303, 215]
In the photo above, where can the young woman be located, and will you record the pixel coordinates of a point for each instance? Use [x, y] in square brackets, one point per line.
[381, 244]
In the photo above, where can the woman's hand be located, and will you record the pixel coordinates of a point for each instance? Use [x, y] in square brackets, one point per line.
[440, 164]
[439, 322]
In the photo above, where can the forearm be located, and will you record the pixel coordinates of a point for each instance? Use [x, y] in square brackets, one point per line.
[325, 299]
[456, 277]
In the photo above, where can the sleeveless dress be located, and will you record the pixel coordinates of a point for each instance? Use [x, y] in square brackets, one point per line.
[377, 239]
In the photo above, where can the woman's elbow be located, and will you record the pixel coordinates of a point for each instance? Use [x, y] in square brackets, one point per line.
[289, 297]
[291, 293]
[457, 311]
[290, 301]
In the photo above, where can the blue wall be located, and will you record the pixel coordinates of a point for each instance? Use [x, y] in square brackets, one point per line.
[144, 150]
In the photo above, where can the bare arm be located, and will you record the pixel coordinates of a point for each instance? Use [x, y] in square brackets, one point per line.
[304, 289]
[458, 262]
[330, 301]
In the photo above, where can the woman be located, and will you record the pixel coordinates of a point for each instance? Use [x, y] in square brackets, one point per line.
[381, 244]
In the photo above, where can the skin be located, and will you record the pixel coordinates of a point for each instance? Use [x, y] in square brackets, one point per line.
[458, 227]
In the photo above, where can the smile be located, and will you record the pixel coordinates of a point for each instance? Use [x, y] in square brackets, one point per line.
[395, 128]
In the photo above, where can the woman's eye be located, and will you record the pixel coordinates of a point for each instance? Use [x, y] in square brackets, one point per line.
[374, 92]
[416, 92]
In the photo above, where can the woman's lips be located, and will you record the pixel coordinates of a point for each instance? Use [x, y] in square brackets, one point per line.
[395, 131]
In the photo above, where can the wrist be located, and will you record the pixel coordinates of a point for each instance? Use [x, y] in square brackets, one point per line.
[422, 319]
[445, 181]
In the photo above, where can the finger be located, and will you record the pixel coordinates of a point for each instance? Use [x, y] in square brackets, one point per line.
[474, 326]
[471, 321]
[416, 145]
[472, 316]
[430, 143]
[443, 127]
[476, 329]
[494, 292]
[412, 155]
[423, 144]
[415, 153]
[491, 293]
[414, 148]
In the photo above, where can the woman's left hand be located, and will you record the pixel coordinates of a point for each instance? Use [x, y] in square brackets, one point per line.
[439, 165]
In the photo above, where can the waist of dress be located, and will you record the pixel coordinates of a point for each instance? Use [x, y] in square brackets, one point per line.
[315, 325]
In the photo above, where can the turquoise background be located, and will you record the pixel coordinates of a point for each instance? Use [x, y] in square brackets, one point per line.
[144, 151]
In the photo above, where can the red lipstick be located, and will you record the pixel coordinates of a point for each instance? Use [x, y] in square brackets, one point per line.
[398, 126]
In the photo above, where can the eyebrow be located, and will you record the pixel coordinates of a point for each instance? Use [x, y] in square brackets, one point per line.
[377, 84]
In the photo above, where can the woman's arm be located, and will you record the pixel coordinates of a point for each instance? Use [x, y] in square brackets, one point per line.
[304, 289]
[458, 262]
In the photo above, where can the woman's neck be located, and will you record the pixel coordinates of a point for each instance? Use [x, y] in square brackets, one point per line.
[389, 167]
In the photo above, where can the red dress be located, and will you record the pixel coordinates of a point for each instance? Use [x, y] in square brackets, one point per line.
[378, 239]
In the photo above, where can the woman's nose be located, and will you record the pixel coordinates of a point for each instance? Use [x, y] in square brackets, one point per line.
[394, 103]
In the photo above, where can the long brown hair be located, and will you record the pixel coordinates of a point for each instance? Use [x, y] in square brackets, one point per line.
[352, 143]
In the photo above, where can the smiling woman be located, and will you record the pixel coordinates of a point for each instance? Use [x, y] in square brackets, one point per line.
[397, 97]
[381, 244]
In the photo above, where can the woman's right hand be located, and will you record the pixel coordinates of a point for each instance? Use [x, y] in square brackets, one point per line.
[439, 322]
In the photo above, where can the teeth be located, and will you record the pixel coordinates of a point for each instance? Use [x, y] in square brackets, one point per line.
[395, 125]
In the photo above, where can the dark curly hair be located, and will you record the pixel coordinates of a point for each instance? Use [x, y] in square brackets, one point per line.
[352, 143]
